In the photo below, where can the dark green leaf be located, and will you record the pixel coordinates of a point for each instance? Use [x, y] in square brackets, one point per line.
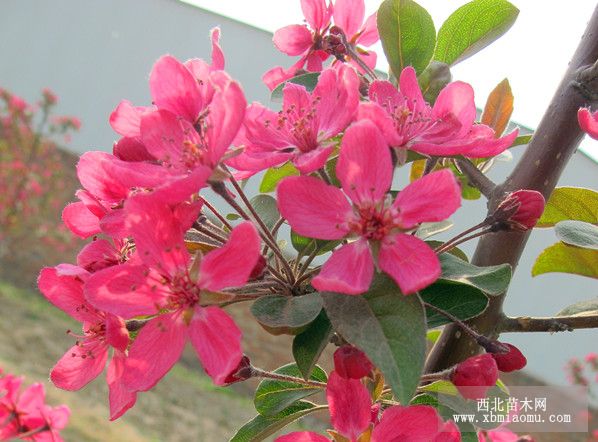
[287, 314]
[266, 208]
[580, 308]
[407, 33]
[389, 327]
[309, 80]
[460, 300]
[273, 396]
[492, 280]
[578, 233]
[275, 174]
[331, 171]
[433, 79]
[306, 245]
[310, 343]
[567, 203]
[260, 427]
[563, 258]
[472, 27]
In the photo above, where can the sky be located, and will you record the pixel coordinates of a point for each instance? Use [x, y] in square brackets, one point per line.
[533, 54]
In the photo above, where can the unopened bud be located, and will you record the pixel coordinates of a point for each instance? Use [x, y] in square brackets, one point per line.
[241, 373]
[519, 210]
[351, 363]
[510, 361]
[474, 376]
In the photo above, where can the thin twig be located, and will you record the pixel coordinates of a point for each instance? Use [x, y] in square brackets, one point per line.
[259, 373]
[548, 324]
[476, 177]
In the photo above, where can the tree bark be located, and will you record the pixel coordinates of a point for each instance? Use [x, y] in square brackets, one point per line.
[540, 168]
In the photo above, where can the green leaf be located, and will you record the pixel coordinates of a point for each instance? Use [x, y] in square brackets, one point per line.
[578, 233]
[233, 216]
[407, 33]
[472, 27]
[521, 140]
[492, 280]
[266, 208]
[306, 245]
[443, 387]
[389, 327]
[427, 230]
[563, 258]
[310, 343]
[433, 335]
[275, 174]
[309, 80]
[580, 308]
[287, 314]
[462, 301]
[567, 203]
[433, 79]
[273, 396]
[260, 427]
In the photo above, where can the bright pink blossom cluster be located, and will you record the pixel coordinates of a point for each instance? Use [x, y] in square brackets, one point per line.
[24, 413]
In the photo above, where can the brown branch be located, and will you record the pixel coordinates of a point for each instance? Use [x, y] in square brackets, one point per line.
[476, 177]
[556, 324]
[540, 168]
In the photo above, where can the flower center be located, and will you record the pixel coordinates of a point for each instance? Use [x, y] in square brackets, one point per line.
[373, 222]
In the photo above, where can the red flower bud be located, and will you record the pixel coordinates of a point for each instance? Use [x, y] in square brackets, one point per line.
[351, 363]
[474, 376]
[521, 210]
[510, 361]
[241, 373]
[258, 269]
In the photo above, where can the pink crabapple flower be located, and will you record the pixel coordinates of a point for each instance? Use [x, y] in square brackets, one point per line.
[318, 210]
[352, 416]
[475, 376]
[174, 291]
[446, 129]
[24, 414]
[63, 286]
[301, 132]
[588, 122]
[319, 40]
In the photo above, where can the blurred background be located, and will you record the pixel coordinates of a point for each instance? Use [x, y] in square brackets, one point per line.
[65, 66]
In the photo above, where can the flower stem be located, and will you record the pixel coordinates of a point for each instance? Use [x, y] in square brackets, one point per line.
[259, 373]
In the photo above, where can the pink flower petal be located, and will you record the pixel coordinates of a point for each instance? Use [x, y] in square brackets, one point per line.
[350, 405]
[348, 15]
[125, 290]
[369, 32]
[376, 114]
[588, 122]
[80, 221]
[217, 341]
[119, 397]
[174, 88]
[364, 165]
[217, 54]
[225, 117]
[80, 365]
[97, 255]
[415, 423]
[293, 40]
[231, 265]
[409, 261]
[456, 100]
[131, 149]
[126, 118]
[66, 293]
[302, 436]
[314, 208]
[157, 347]
[316, 13]
[313, 160]
[117, 335]
[410, 87]
[162, 135]
[349, 270]
[434, 197]
[158, 233]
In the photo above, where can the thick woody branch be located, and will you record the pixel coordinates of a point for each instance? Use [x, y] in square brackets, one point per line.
[554, 142]
[556, 324]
